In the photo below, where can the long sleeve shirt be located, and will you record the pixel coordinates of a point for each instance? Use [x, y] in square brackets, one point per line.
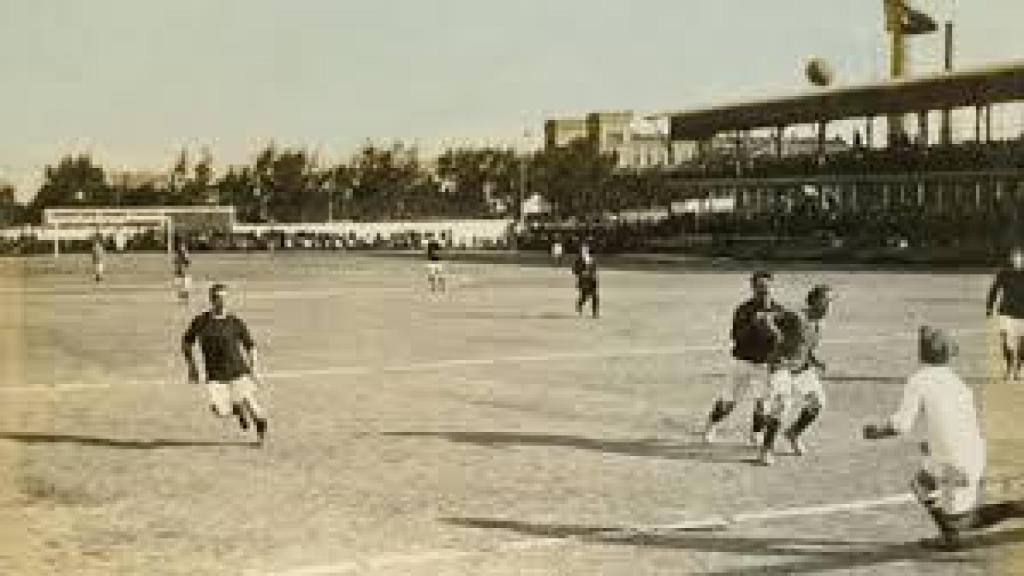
[1008, 287]
[954, 436]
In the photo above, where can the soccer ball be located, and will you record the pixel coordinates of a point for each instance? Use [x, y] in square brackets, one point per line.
[818, 72]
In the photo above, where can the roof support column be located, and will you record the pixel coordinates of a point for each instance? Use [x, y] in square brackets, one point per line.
[988, 123]
[869, 132]
[977, 123]
[778, 141]
[922, 128]
[821, 139]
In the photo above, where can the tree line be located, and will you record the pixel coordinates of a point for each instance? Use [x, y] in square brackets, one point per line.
[376, 183]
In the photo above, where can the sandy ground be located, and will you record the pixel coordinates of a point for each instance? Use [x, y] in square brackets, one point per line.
[488, 431]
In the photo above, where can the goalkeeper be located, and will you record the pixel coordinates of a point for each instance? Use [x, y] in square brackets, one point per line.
[948, 483]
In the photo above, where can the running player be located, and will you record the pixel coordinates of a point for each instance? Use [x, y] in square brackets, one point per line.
[1008, 288]
[435, 268]
[98, 257]
[753, 338]
[794, 370]
[182, 280]
[229, 357]
[585, 270]
[949, 480]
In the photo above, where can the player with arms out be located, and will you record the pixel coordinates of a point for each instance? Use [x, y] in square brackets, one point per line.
[229, 357]
[948, 483]
[794, 368]
[1008, 288]
[753, 338]
[182, 279]
[585, 270]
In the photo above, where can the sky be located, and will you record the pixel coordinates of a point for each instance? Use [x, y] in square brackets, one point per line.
[132, 82]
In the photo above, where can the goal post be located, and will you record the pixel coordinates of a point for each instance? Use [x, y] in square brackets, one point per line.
[84, 223]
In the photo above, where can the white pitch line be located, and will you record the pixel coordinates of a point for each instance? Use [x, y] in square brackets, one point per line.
[778, 513]
[528, 358]
[427, 557]
[356, 370]
[53, 389]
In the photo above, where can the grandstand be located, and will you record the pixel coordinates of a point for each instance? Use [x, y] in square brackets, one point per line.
[912, 188]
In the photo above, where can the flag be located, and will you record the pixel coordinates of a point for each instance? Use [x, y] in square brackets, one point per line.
[909, 21]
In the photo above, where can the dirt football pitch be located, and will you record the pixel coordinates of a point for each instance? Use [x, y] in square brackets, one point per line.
[486, 431]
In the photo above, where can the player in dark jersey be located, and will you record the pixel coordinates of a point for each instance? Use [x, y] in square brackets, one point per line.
[182, 280]
[229, 358]
[585, 270]
[1008, 288]
[794, 367]
[753, 339]
[435, 268]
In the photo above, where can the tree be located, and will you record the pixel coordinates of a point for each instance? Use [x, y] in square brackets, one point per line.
[10, 209]
[193, 185]
[74, 181]
[290, 187]
[388, 183]
[238, 188]
[481, 178]
[576, 179]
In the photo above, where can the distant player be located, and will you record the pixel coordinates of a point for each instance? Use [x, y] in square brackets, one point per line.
[435, 268]
[556, 252]
[182, 279]
[1008, 288]
[229, 357]
[753, 338]
[793, 378]
[949, 480]
[585, 270]
[98, 257]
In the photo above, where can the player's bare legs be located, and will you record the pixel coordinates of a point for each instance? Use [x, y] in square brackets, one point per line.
[1020, 358]
[719, 411]
[808, 415]
[772, 424]
[1011, 357]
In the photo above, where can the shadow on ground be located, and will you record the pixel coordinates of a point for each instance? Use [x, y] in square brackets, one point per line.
[643, 447]
[498, 315]
[804, 555]
[121, 443]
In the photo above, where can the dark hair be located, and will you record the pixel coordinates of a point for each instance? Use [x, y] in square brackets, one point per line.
[761, 275]
[218, 287]
[936, 346]
[818, 293]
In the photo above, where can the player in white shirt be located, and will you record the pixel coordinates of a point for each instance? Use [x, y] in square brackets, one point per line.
[98, 257]
[948, 483]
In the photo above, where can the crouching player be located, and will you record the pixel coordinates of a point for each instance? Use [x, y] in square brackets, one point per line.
[229, 356]
[794, 371]
[948, 483]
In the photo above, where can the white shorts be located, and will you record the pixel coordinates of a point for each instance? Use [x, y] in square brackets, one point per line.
[435, 268]
[224, 394]
[958, 488]
[1012, 327]
[747, 379]
[183, 283]
[784, 387]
